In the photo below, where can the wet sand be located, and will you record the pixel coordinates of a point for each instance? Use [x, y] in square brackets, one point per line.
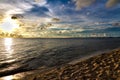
[105, 66]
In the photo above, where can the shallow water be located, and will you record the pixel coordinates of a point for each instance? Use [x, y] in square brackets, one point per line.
[20, 55]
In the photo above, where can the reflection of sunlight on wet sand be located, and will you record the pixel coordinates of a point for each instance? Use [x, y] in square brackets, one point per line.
[8, 78]
[13, 77]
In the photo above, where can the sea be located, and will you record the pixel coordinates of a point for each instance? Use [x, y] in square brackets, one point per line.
[22, 55]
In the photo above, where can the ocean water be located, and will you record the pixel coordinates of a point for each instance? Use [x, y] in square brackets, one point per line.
[21, 55]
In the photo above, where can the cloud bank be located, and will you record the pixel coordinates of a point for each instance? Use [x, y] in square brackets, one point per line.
[61, 17]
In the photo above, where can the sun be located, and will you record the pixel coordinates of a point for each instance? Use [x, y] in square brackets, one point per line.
[8, 24]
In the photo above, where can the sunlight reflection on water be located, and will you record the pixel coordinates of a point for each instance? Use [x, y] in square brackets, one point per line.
[8, 44]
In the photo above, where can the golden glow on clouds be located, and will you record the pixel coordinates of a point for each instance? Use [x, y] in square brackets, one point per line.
[8, 24]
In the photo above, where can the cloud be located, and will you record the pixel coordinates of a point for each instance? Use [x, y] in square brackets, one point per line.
[116, 24]
[82, 3]
[14, 7]
[60, 16]
[112, 3]
[17, 16]
[39, 0]
[55, 19]
[1, 17]
[39, 11]
[11, 7]
[115, 29]
[105, 30]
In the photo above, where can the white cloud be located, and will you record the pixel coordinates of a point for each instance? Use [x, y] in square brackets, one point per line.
[14, 8]
[41, 2]
[19, 6]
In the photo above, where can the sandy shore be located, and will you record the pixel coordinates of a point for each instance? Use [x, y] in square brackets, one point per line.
[102, 67]
[105, 66]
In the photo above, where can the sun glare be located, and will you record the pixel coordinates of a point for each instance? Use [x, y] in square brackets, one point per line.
[8, 44]
[8, 78]
[9, 24]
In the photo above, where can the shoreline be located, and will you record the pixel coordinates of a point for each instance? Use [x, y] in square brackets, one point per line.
[59, 37]
[103, 66]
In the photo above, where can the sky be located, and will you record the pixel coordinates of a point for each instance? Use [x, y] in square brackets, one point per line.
[61, 18]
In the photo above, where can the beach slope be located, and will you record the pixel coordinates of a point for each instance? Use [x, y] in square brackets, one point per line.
[105, 66]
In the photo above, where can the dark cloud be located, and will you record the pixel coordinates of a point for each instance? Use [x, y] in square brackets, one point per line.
[44, 26]
[116, 24]
[55, 19]
[17, 16]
